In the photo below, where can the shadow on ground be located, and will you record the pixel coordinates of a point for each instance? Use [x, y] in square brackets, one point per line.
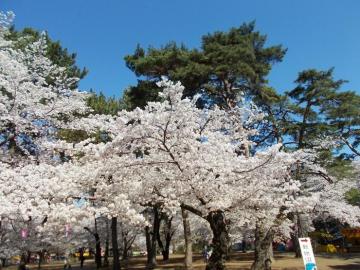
[352, 266]
[238, 261]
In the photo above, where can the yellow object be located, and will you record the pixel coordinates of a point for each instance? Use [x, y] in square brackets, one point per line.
[86, 254]
[16, 258]
[331, 248]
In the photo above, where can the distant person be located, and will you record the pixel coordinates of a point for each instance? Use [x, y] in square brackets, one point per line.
[210, 251]
[243, 246]
[67, 264]
[205, 253]
[81, 257]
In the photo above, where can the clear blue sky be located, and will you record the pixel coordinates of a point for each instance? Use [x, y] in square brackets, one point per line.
[318, 34]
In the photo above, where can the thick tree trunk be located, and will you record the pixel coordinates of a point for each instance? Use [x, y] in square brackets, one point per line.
[151, 240]
[160, 243]
[188, 239]
[106, 255]
[263, 249]
[296, 247]
[165, 250]
[97, 251]
[220, 240]
[300, 232]
[151, 259]
[97, 246]
[107, 240]
[115, 246]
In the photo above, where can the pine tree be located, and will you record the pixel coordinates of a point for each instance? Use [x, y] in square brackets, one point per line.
[321, 111]
[100, 104]
[226, 65]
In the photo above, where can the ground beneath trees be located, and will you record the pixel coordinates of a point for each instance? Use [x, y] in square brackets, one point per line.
[238, 261]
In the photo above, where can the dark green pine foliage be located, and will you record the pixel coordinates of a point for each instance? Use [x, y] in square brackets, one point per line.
[273, 126]
[239, 61]
[343, 114]
[139, 95]
[311, 125]
[314, 119]
[226, 64]
[100, 104]
[314, 92]
[55, 52]
[353, 196]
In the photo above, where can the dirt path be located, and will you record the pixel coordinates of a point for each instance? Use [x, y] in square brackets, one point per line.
[239, 261]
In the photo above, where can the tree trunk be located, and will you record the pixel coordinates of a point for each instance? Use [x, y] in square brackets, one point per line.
[28, 257]
[151, 239]
[125, 246]
[107, 240]
[40, 259]
[220, 241]
[23, 258]
[97, 246]
[125, 252]
[97, 251]
[151, 259]
[300, 232]
[188, 239]
[168, 236]
[165, 250]
[115, 246]
[263, 249]
[160, 243]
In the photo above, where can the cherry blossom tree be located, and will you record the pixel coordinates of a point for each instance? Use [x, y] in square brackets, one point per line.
[179, 155]
[138, 165]
[35, 101]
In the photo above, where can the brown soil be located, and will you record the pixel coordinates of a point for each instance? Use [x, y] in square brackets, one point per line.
[238, 261]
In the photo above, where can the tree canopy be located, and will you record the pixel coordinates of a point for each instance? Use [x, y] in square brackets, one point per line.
[226, 64]
[54, 51]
